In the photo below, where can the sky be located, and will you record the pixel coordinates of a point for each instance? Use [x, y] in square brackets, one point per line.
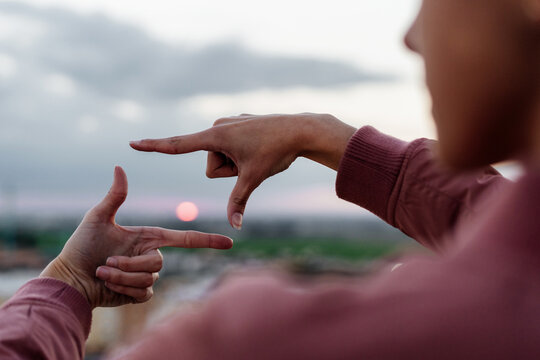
[80, 78]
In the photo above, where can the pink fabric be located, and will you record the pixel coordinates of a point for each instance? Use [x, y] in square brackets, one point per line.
[45, 319]
[478, 300]
[404, 185]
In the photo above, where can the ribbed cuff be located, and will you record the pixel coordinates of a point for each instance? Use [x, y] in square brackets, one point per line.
[369, 169]
[58, 293]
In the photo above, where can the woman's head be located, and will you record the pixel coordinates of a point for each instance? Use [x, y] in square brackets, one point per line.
[482, 69]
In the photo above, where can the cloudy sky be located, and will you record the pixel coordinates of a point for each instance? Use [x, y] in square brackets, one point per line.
[80, 78]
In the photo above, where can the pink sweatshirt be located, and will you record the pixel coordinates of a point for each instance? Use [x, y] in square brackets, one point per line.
[479, 300]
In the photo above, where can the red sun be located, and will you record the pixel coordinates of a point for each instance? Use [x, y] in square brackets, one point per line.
[187, 211]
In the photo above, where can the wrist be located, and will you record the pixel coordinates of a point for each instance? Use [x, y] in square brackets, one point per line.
[57, 269]
[326, 139]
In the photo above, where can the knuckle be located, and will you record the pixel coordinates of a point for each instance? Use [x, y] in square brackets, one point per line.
[118, 195]
[139, 296]
[148, 280]
[239, 200]
[171, 144]
[145, 295]
[188, 242]
[210, 173]
[123, 264]
[145, 233]
[216, 137]
[220, 121]
[158, 264]
[89, 215]
[208, 240]
[115, 277]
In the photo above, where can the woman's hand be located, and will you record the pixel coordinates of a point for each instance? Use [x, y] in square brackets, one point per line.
[131, 253]
[257, 147]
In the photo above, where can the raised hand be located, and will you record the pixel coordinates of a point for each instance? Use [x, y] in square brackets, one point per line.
[131, 253]
[257, 147]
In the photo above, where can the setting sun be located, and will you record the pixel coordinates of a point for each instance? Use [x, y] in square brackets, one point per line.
[187, 211]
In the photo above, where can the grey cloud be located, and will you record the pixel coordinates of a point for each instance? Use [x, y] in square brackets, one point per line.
[44, 151]
[121, 60]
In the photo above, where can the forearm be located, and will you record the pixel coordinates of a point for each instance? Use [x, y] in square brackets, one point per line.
[46, 319]
[404, 184]
[325, 139]
[429, 201]
[59, 271]
[271, 317]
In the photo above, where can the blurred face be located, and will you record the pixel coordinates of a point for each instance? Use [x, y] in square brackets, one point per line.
[481, 63]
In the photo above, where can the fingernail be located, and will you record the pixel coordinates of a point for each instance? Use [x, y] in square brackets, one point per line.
[102, 272]
[237, 221]
[136, 142]
[113, 262]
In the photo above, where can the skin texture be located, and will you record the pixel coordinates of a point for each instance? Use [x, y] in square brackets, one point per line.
[255, 148]
[130, 253]
[481, 64]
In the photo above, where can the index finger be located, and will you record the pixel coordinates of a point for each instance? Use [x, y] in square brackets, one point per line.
[177, 144]
[193, 239]
[157, 237]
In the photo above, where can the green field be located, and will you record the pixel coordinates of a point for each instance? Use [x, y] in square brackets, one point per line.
[268, 248]
[51, 242]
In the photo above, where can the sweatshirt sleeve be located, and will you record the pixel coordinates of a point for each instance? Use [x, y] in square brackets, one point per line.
[404, 185]
[45, 319]
[420, 311]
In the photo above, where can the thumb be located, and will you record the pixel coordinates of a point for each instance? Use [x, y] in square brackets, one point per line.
[116, 196]
[238, 200]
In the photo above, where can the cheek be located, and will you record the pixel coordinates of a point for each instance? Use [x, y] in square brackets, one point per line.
[480, 114]
[481, 89]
